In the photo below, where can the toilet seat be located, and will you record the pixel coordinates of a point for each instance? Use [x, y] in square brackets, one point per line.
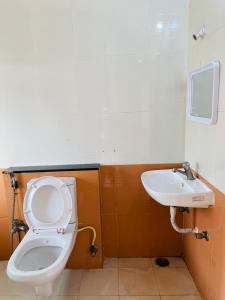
[33, 241]
[47, 205]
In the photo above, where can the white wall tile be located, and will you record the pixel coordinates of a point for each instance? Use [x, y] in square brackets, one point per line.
[210, 13]
[199, 148]
[92, 81]
[16, 43]
[91, 21]
[213, 48]
[205, 146]
[51, 25]
[137, 137]
[218, 153]
[91, 84]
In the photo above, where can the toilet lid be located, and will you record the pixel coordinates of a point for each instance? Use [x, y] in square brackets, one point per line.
[47, 204]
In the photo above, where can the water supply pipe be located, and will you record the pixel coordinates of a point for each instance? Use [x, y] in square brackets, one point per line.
[93, 248]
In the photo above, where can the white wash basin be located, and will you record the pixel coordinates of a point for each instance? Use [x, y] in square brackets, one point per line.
[173, 189]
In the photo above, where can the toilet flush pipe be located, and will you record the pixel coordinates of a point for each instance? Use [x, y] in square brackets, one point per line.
[176, 227]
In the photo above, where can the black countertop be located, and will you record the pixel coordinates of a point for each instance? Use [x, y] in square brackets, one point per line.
[53, 168]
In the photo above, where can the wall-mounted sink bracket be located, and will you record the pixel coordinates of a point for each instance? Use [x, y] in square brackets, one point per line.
[184, 209]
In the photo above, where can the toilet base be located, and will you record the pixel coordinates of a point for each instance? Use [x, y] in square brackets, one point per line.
[44, 290]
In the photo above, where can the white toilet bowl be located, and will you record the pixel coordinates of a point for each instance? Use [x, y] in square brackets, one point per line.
[50, 211]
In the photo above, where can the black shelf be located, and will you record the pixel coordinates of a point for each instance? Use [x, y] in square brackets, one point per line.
[52, 168]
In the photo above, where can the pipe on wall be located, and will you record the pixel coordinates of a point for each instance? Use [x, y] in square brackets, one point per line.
[173, 211]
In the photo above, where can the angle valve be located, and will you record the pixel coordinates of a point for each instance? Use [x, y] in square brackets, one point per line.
[93, 250]
[14, 183]
[202, 235]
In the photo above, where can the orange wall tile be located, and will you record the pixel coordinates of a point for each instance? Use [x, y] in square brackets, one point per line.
[5, 244]
[206, 260]
[133, 224]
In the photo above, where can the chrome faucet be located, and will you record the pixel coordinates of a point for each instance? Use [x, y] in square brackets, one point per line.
[187, 170]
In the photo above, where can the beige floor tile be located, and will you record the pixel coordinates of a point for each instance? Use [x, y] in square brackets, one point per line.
[58, 298]
[175, 281]
[134, 281]
[11, 288]
[175, 262]
[181, 298]
[100, 282]
[68, 283]
[18, 298]
[135, 262]
[3, 264]
[110, 262]
[139, 297]
[98, 298]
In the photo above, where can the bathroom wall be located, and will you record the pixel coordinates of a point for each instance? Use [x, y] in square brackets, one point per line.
[205, 260]
[4, 222]
[205, 149]
[123, 218]
[205, 144]
[133, 224]
[92, 81]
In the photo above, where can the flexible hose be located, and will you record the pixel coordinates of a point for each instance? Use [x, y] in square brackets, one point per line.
[90, 228]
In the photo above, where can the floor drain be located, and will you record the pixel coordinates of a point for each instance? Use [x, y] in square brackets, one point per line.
[162, 262]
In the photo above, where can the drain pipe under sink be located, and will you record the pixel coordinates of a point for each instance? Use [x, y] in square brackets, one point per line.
[173, 211]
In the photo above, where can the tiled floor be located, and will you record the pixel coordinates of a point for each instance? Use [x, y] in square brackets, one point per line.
[120, 279]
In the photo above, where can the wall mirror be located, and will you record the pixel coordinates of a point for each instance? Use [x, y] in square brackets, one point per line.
[203, 93]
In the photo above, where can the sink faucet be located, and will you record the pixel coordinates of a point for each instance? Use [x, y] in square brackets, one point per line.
[187, 171]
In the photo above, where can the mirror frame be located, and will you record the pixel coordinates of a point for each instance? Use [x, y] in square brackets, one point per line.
[215, 65]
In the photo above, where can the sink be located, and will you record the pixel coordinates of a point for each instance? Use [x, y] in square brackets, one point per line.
[173, 189]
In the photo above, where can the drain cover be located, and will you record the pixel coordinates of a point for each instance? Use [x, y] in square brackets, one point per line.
[162, 262]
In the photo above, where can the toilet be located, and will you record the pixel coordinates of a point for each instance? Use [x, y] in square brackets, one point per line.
[50, 210]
